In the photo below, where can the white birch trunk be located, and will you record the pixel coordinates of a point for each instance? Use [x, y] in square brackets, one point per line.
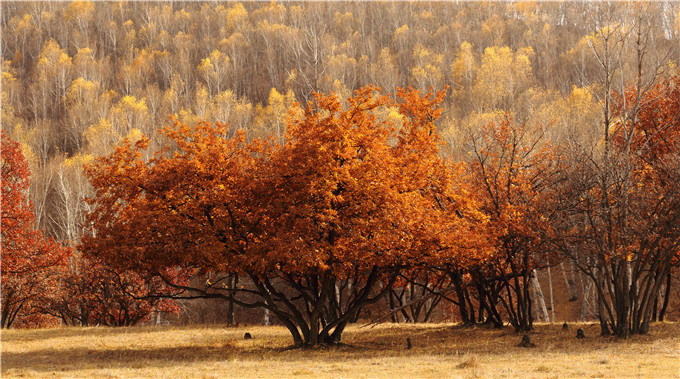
[539, 298]
[552, 300]
[267, 321]
[566, 282]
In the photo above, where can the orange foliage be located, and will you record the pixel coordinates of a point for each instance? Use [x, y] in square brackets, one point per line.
[30, 261]
[350, 197]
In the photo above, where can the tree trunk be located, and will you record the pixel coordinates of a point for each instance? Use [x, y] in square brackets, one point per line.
[570, 290]
[231, 285]
[465, 316]
[266, 318]
[539, 298]
[572, 270]
[604, 327]
[552, 301]
[666, 296]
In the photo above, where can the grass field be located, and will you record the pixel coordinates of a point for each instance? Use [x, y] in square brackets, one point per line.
[439, 351]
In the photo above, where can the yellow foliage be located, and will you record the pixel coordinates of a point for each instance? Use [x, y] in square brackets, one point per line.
[28, 153]
[235, 42]
[79, 10]
[134, 135]
[83, 56]
[201, 101]
[174, 95]
[101, 137]
[394, 116]
[77, 161]
[273, 12]
[384, 71]
[580, 98]
[214, 69]
[7, 78]
[478, 120]
[25, 24]
[81, 90]
[221, 106]
[130, 113]
[343, 20]
[237, 16]
[51, 58]
[464, 65]
[188, 117]
[129, 103]
[340, 90]
[427, 72]
[241, 114]
[401, 34]
[205, 67]
[340, 68]
[503, 74]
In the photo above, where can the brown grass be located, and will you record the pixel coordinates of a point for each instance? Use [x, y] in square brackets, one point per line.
[439, 351]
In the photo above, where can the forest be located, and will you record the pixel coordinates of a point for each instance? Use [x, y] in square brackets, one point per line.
[316, 163]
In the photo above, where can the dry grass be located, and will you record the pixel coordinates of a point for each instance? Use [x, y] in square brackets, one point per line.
[439, 350]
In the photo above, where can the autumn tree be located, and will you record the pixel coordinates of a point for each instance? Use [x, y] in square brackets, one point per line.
[320, 226]
[502, 76]
[214, 70]
[30, 261]
[512, 169]
[93, 293]
[620, 211]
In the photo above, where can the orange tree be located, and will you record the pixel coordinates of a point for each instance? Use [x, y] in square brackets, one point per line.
[464, 239]
[659, 128]
[30, 261]
[321, 226]
[511, 171]
[619, 212]
[93, 293]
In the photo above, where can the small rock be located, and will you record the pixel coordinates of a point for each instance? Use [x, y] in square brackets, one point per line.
[579, 334]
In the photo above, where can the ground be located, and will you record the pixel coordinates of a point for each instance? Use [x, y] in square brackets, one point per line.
[439, 351]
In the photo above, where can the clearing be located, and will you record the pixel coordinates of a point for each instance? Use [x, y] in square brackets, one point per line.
[439, 350]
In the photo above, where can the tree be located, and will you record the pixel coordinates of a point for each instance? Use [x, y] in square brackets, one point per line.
[512, 168]
[92, 293]
[214, 70]
[621, 216]
[383, 71]
[502, 76]
[622, 212]
[29, 259]
[320, 226]
[271, 119]
[426, 71]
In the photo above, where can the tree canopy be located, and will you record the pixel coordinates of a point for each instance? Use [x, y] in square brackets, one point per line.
[354, 195]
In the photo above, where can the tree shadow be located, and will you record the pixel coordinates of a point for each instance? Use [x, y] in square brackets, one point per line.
[52, 360]
[15, 335]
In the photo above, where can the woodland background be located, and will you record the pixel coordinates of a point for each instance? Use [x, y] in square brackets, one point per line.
[78, 77]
